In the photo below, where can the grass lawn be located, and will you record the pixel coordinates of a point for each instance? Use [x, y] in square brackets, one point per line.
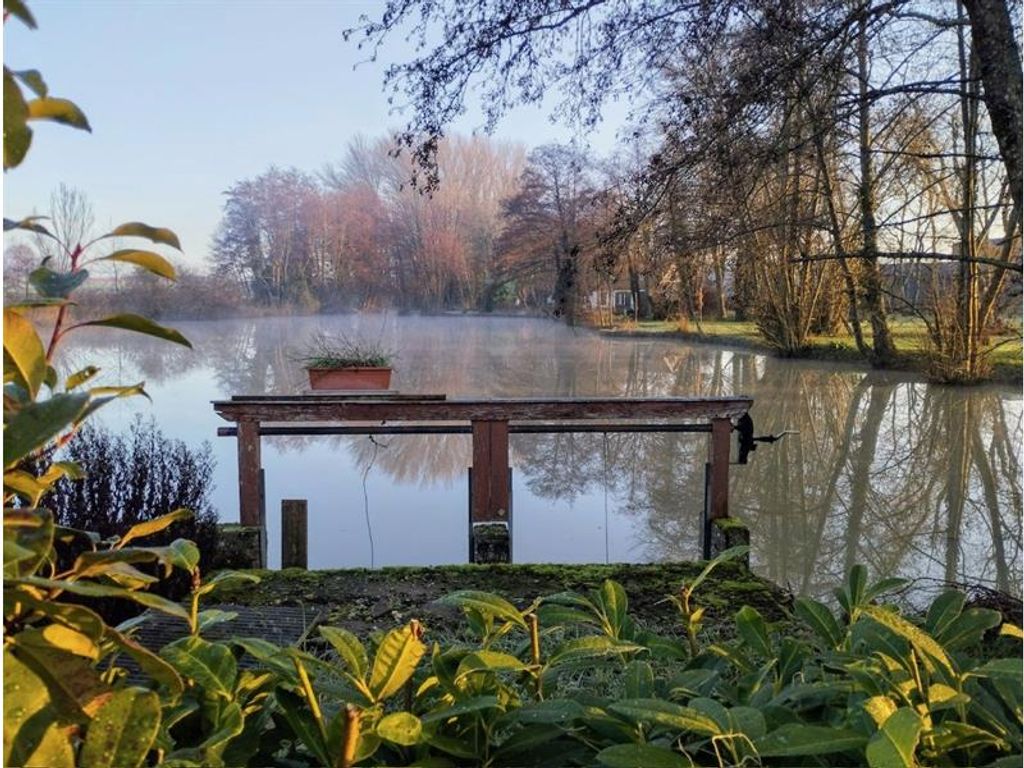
[909, 335]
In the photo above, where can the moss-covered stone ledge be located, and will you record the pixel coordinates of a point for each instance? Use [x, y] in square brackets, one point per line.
[363, 600]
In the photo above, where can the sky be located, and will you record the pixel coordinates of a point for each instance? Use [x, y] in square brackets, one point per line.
[186, 97]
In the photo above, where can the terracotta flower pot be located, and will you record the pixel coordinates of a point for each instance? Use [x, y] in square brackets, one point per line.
[349, 378]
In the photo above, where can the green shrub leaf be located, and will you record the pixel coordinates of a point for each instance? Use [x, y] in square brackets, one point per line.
[752, 628]
[489, 661]
[462, 707]
[894, 745]
[796, 739]
[593, 646]
[400, 728]
[968, 628]
[944, 610]
[349, 648]
[820, 619]
[640, 756]
[666, 713]
[211, 665]
[639, 680]
[551, 711]
[1010, 669]
[485, 603]
[124, 729]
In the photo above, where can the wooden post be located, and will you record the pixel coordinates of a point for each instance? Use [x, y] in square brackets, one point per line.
[249, 473]
[718, 477]
[490, 472]
[294, 534]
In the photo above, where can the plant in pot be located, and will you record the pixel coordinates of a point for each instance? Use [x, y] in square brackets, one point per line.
[344, 362]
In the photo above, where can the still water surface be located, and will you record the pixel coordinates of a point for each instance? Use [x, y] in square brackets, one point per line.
[908, 478]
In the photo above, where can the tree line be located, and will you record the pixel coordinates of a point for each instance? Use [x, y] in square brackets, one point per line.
[816, 156]
[812, 167]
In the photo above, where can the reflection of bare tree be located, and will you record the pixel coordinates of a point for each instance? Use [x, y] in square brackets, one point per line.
[415, 459]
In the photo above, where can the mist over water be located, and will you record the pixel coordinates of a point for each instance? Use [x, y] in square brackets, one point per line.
[909, 478]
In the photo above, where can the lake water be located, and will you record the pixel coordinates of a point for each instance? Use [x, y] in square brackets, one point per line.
[911, 479]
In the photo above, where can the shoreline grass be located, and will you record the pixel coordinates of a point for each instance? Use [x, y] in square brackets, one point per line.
[909, 335]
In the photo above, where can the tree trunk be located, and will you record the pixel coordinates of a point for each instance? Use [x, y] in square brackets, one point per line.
[884, 352]
[993, 41]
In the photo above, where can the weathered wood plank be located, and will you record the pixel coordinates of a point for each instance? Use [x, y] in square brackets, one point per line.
[294, 533]
[721, 431]
[319, 409]
[249, 473]
[490, 472]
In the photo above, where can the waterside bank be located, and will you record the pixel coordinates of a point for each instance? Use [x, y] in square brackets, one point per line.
[364, 600]
[1006, 357]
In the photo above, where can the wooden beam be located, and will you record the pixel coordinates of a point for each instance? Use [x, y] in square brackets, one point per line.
[249, 473]
[325, 409]
[718, 492]
[459, 429]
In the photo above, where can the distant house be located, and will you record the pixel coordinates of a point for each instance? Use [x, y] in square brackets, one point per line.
[618, 300]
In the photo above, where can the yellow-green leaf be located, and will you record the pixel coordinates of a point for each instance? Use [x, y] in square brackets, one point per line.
[149, 662]
[401, 728]
[32, 531]
[62, 638]
[154, 234]
[59, 111]
[894, 745]
[18, 9]
[35, 424]
[17, 134]
[32, 734]
[149, 527]
[33, 78]
[123, 731]
[28, 223]
[24, 356]
[1011, 630]
[79, 378]
[399, 653]
[138, 324]
[880, 708]
[28, 486]
[148, 260]
[922, 642]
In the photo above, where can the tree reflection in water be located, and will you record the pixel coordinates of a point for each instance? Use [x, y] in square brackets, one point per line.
[909, 478]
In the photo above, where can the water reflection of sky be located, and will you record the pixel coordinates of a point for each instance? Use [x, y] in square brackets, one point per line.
[911, 479]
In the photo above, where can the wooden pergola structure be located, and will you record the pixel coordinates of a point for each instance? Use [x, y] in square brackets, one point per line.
[488, 420]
